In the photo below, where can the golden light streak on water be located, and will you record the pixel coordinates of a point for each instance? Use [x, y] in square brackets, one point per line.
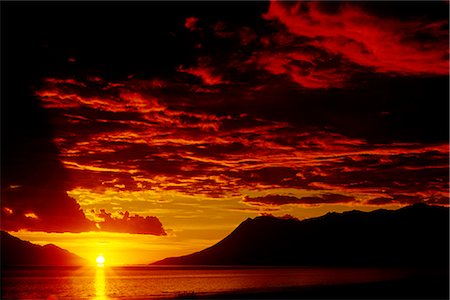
[100, 284]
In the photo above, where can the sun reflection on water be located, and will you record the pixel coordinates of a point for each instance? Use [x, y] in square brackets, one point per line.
[100, 284]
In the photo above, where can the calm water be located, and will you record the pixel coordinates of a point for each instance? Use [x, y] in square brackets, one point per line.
[156, 282]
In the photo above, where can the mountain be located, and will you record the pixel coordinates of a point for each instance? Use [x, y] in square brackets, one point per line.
[416, 235]
[16, 252]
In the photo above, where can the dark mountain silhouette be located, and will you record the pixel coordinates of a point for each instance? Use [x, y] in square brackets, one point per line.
[16, 252]
[416, 235]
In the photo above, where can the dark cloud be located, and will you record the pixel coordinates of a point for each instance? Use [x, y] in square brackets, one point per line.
[284, 217]
[409, 199]
[48, 211]
[380, 201]
[285, 199]
[130, 224]
[50, 216]
[34, 182]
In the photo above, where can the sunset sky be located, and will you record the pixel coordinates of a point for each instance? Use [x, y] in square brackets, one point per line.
[145, 130]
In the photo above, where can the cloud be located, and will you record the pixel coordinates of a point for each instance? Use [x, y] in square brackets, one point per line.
[277, 200]
[283, 217]
[204, 72]
[191, 23]
[410, 199]
[130, 224]
[34, 182]
[65, 215]
[297, 100]
[321, 48]
[301, 67]
[387, 45]
[50, 211]
[338, 98]
[380, 201]
[149, 141]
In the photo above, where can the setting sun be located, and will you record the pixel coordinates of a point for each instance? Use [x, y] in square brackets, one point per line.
[100, 260]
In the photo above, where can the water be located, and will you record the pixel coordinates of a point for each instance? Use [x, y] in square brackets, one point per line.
[161, 282]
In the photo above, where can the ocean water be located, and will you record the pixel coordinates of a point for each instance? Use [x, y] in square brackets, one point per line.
[168, 282]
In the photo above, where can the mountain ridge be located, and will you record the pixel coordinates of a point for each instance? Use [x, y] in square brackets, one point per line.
[415, 235]
[17, 252]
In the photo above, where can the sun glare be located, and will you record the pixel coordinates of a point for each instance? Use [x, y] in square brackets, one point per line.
[100, 260]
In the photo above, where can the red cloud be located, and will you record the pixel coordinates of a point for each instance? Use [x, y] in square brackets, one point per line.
[130, 224]
[205, 74]
[204, 71]
[300, 68]
[139, 137]
[386, 45]
[191, 23]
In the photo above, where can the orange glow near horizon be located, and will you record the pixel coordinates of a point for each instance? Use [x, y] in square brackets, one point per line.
[186, 234]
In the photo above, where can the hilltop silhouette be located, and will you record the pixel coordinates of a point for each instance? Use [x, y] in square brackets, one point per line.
[416, 236]
[16, 252]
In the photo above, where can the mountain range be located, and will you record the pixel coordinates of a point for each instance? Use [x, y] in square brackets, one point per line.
[415, 236]
[16, 252]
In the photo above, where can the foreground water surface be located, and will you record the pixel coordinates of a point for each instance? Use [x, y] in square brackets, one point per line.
[162, 282]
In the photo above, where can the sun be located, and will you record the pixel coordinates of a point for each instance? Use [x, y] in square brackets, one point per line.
[100, 260]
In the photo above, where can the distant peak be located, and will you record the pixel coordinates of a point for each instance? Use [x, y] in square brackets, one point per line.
[420, 205]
